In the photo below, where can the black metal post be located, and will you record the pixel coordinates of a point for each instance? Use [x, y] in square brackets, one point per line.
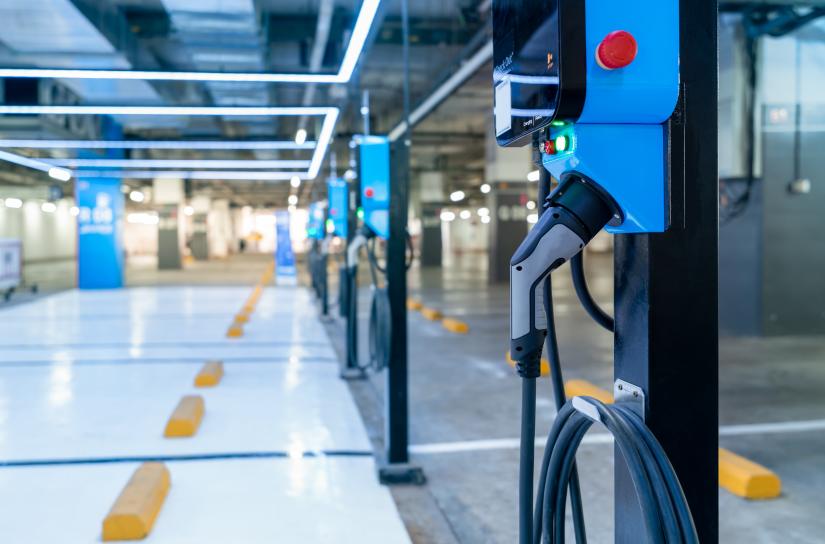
[666, 296]
[396, 419]
[351, 370]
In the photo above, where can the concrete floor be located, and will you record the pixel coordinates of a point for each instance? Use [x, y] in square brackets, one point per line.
[465, 406]
[88, 380]
[465, 413]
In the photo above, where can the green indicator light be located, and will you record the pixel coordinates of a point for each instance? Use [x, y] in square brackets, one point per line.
[360, 213]
[561, 144]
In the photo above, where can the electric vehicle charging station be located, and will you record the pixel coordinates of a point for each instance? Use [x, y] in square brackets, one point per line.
[338, 198]
[596, 85]
[373, 208]
[317, 257]
[376, 200]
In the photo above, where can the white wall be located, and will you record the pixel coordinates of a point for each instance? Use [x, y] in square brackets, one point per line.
[45, 236]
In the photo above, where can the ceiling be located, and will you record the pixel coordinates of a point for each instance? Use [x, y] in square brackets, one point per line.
[246, 36]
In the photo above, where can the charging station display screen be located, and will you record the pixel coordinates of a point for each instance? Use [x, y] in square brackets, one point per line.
[538, 46]
[526, 57]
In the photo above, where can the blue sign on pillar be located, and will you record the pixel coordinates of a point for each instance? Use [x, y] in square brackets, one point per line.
[99, 233]
[285, 271]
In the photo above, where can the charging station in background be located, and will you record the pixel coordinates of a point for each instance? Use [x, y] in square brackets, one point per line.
[598, 98]
[375, 184]
[316, 221]
[338, 197]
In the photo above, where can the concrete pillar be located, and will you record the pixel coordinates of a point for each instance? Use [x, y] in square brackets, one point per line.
[168, 196]
[506, 171]
[221, 232]
[432, 197]
[199, 242]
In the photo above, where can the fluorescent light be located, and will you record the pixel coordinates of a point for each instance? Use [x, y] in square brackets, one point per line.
[483, 212]
[175, 163]
[324, 139]
[457, 196]
[485, 188]
[360, 32]
[60, 174]
[447, 216]
[230, 111]
[485, 219]
[188, 210]
[156, 144]
[295, 181]
[531, 205]
[300, 136]
[57, 173]
[14, 203]
[137, 196]
[214, 175]
[465, 214]
[534, 176]
[75, 211]
[358, 38]
[48, 207]
[292, 200]
[350, 174]
[533, 218]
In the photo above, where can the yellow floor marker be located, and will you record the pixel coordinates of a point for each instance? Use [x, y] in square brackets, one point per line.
[249, 309]
[210, 375]
[137, 507]
[413, 304]
[242, 317]
[186, 418]
[545, 364]
[431, 313]
[454, 325]
[583, 388]
[235, 331]
[745, 478]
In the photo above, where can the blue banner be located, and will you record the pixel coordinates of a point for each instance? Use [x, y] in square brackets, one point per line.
[285, 270]
[99, 233]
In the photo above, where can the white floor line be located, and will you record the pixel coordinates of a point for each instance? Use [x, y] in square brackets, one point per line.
[605, 438]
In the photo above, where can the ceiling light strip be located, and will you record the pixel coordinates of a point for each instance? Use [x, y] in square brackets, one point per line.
[360, 32]
[213, 175]
[178, 163]
[55, 172]
[229, 111]
[156, 144]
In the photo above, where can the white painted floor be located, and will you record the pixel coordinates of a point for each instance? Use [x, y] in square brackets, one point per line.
[88, 379]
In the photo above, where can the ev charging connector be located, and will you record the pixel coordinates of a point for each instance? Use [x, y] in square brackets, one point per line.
[575, 214]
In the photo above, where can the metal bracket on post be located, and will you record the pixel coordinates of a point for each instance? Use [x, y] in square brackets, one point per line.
[631, 396]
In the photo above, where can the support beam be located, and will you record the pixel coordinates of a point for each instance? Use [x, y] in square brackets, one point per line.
[666, 296]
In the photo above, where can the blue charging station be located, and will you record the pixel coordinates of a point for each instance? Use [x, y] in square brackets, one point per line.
[375, 184]
[600, 97]
[338, 196]
[316, 228]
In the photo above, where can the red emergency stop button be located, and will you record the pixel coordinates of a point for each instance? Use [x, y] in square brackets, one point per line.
[369, 192]
[617, 50]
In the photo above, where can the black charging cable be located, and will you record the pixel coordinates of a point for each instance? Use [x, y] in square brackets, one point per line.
[664, 508]
[586, 299]
[379, 332]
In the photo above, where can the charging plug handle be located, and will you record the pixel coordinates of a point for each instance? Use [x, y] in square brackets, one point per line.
[575, 215]
[359, 240]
